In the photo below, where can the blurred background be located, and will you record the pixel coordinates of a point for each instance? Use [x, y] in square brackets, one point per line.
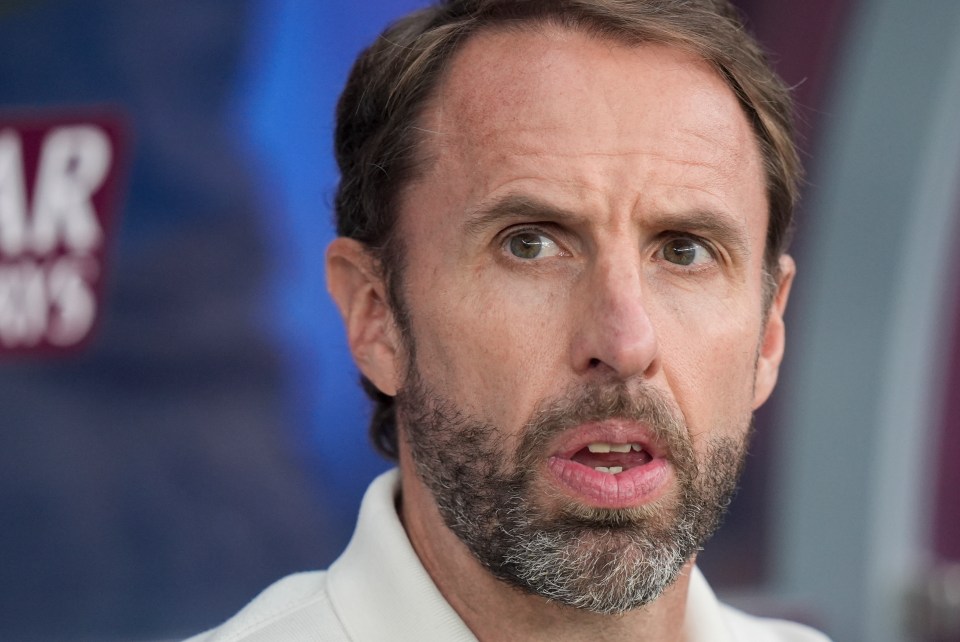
[183, 425]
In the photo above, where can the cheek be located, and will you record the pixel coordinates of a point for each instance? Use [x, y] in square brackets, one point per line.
[489, 347]
[709, 360]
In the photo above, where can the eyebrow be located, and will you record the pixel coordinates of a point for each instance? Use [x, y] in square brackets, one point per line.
[513, 207]
[710, 224]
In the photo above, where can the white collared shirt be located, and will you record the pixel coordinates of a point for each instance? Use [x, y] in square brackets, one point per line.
[378, 590]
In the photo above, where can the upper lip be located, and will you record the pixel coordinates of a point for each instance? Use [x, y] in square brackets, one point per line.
[614, 431]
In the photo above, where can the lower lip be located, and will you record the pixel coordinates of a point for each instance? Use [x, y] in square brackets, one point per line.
[632, 487]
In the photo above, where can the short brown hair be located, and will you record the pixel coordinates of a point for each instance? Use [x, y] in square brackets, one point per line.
[377, 141]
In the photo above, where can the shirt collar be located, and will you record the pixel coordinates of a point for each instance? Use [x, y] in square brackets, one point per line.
[378, 587]
[704, 619]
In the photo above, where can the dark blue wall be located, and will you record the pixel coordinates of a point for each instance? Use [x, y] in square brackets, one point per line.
[212, 437]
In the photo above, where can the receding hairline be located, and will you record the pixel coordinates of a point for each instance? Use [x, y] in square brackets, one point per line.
[554, 26]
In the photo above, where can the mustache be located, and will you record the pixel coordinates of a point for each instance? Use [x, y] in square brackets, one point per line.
[598, 402]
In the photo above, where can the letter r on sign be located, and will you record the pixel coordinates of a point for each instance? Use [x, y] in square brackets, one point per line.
[74, 161]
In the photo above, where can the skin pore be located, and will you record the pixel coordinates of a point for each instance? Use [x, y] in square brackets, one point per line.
[592, 217]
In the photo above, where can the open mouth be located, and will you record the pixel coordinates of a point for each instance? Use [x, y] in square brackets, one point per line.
[611, 465]
[612, 458]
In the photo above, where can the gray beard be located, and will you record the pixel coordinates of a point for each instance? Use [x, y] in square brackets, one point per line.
[606, 561]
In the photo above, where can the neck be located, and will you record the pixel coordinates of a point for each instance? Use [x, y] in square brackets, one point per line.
[494, 610]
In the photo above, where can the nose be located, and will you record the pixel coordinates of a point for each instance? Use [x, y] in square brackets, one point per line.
[615, 334]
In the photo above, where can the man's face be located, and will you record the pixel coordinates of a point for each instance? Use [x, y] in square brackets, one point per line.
[584, 291]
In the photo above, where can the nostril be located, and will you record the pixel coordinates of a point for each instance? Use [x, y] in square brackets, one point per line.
[594, 363]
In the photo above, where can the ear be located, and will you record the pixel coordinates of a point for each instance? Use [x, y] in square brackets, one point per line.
[354, 282]
[772, 342]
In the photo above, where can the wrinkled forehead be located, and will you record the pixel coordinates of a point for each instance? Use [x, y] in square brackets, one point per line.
[524, 86]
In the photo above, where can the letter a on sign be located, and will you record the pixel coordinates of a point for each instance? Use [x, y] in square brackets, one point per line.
[59, 182]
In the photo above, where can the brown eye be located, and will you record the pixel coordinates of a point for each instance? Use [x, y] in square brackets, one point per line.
[530, 245]
[685, 251]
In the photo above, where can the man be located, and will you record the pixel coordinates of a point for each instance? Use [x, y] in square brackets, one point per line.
[561, 269]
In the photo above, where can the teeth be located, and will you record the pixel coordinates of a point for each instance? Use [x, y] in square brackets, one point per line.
[604, 447]
[613, 470]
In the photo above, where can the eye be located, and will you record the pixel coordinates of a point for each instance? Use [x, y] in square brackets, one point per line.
[531, 245]
[685, 251]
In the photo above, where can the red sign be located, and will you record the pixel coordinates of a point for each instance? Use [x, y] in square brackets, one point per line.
[59, 180]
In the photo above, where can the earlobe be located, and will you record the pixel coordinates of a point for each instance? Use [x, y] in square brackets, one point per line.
[357, 288]
[774, 335]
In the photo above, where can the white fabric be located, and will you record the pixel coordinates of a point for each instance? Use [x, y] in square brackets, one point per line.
[378, 591]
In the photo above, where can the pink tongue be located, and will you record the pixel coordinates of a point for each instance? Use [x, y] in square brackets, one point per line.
[624, 460]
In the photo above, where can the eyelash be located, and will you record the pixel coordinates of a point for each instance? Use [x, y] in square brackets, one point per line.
[664, 238]
[696, 265]
[539, 230]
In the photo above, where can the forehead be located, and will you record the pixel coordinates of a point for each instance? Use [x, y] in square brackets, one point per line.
[551, 103]
[532, 75]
